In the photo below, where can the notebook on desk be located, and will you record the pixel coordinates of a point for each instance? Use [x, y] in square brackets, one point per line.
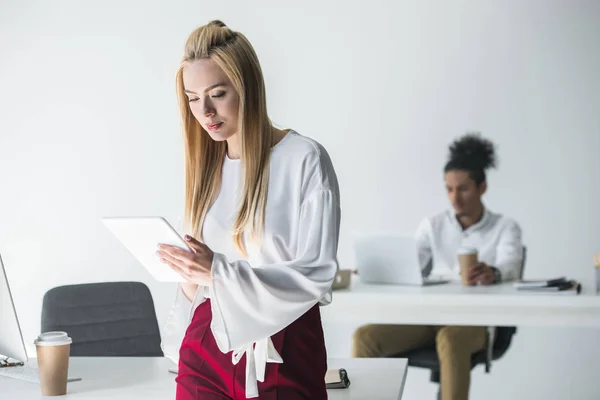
[533, 284]
[556, 286]
[337, 379]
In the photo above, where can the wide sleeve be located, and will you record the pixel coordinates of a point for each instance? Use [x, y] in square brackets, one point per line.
[509, 253]
[250, 303]
[178, 321]
[423, 239]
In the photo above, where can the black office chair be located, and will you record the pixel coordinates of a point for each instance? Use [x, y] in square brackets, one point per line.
[428, 358]
[109, 319]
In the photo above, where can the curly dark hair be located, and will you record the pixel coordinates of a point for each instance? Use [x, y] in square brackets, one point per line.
[473, 154]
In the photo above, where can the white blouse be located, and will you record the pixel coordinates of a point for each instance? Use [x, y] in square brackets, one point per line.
[286, 273]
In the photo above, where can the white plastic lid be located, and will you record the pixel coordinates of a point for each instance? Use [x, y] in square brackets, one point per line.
[466, 250]
[53, 339]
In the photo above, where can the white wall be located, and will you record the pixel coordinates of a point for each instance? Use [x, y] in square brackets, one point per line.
[89, 127]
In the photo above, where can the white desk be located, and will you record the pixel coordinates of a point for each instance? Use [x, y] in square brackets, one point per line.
[148, 379]
[454, 304]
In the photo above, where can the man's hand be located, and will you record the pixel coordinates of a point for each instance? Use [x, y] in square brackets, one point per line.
[481, 274]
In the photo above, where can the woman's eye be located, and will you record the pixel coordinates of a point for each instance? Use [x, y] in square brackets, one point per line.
[217, 95]
[192, 99]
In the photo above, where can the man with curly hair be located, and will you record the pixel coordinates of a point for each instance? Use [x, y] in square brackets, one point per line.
[469, 224]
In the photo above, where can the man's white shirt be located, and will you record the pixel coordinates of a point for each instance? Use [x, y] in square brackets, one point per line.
[496, 238]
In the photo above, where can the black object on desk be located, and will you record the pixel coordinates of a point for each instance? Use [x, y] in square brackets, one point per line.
[337, 379]
[10, 362]
[552, 285]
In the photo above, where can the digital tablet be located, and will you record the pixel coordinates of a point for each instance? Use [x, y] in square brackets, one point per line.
[141, 236]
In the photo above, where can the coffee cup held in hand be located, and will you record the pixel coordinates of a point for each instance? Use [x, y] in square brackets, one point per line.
[467, 258]
[53, 350]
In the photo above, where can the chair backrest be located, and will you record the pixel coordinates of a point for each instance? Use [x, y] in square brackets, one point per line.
[522, 270]
[503, 338]
[104, 319]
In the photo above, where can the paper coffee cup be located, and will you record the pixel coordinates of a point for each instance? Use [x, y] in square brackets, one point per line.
[467, 258]
[53, 350]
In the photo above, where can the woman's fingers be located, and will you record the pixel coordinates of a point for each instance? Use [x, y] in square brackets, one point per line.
[194, 265]
[176, 252]
[177, 269]
[195, 244]
[183, 265]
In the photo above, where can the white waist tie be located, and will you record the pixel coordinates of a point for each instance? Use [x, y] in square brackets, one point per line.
[256, 358]
[256, 362]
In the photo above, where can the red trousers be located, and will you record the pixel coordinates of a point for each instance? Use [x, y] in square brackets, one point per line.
[207, 374]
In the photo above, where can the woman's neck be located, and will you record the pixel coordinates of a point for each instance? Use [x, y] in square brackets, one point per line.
[234, 148]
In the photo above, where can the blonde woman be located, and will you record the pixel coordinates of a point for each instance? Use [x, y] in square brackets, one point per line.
[263, 216]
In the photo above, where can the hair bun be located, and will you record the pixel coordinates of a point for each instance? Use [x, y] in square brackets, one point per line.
[473, 151]
[217, 23]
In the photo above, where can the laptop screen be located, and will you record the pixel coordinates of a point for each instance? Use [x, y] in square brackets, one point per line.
[11, 338]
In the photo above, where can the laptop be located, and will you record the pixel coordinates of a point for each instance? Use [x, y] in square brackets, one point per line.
[390, 259]
[13, 353]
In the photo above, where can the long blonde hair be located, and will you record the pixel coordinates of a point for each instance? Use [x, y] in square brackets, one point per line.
[204, 157]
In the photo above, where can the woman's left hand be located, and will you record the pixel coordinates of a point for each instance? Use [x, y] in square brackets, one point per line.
[194, 266]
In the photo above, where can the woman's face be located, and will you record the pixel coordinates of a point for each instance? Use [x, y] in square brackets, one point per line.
[213, 100]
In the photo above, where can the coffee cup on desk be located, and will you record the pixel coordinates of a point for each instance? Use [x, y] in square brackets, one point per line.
[467, 258]
[53, 349]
